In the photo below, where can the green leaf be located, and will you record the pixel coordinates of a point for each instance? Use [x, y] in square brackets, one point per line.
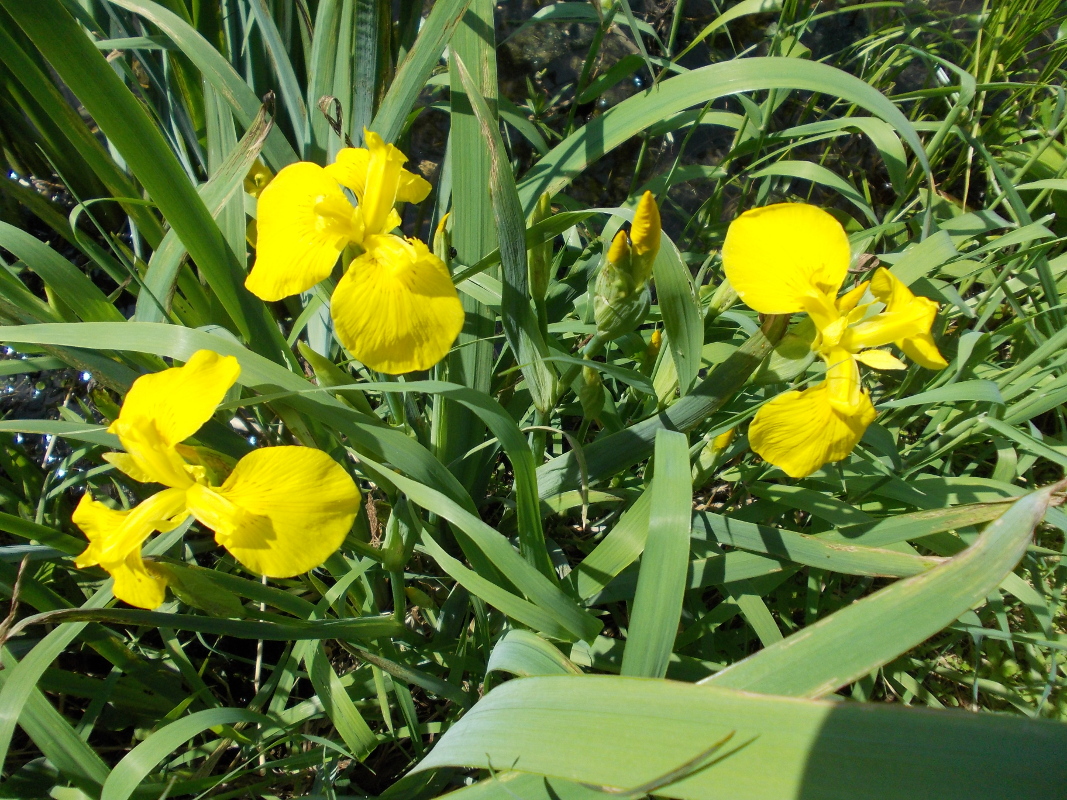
[138, 764]
[603, 133]
[216, 71]
[983, 391]
[612, 454]
[848, 644]
[657, 606]
[416, 67]
[622, 733]
[124, 121]
[526, 654]
[680, 311]
[154, 299]
[516, 313]
[70, 284]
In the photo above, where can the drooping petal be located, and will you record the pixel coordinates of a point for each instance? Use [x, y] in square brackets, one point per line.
[918, 345]
[922, 349]
[801, 431]
[282, 511]
[777, 255]
[843, 389]
[115, 539]
[396, 309]
[304, 222]
[412, 188]
[165, 408]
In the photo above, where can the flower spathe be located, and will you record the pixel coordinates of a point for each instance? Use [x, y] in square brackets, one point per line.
[281, 511]
[395, 309]
[793, 257]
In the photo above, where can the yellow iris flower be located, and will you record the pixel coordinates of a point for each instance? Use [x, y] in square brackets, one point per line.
[395, 309]
[794, 257]
[281, 511]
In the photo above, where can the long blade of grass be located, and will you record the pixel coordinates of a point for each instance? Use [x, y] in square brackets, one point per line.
[657, 604]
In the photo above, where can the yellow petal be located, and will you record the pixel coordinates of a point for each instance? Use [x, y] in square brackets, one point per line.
[115, 539]
[898, 298]
[880, 359]
[137, 584]
[801, 431]
[383, 179]
[847, 301]
[843, 390]
[412, 188]
[257, 179]
[891, 291]
[645, 235]
[376, 176]
[304, 222]
[923, 351]
[125, 463]
[913, 319]
[619, 251]
[396, 309]
[165, 408]
[777, 255]
[350, 170]
[282, 511]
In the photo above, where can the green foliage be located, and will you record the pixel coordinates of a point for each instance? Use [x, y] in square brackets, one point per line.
[553, 522]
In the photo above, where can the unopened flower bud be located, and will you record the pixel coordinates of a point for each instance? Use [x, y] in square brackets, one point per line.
[710, 457]
[645, 236]
[620, 303]
[257, 178]
[442, 240]
[591, 393]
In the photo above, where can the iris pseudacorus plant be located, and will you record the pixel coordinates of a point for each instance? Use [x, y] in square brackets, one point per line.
[280, 512]
[794, 257]
[395, 308]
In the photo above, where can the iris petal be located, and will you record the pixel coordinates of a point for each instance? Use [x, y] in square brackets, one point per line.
[396, 309]
[645, 233]
[165, 408]
[304, 222]
[282, 511]
[115, 539]
[376, 176]
[801, 431]
[778, 255]
[915, 340]
[843, 389]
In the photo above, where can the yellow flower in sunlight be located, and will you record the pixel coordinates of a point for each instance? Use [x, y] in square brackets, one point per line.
[794, 257]
[399, 311]
[281, 511]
